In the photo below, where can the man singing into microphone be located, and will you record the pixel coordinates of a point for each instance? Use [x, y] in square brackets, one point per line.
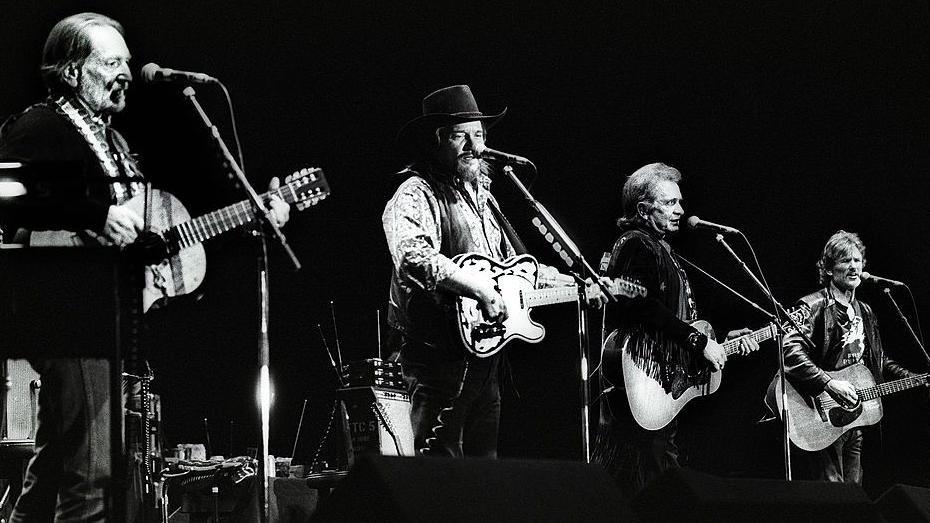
[845, 331]
[85, 66]
[654, 329]
[443, 208]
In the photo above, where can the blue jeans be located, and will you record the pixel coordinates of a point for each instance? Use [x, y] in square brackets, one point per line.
[68, 476]
[446, 422]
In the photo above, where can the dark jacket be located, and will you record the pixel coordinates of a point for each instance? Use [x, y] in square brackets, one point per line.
[657, 325]
[804, 364]
[41, 136]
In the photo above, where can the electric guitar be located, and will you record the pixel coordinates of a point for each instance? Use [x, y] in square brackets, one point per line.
[516, 279]
[816, 422]
[653, 407]
[184, 269]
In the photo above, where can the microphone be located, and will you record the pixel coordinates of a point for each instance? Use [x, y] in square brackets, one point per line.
[879, 280]
[696, 223]
[154, 73]
[491, 154]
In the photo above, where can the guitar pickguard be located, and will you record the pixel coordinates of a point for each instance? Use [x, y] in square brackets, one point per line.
[512, 277]
[840, 417]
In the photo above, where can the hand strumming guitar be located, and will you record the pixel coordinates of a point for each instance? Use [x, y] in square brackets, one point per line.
[480, 287]
[843, 392]
[714, 353]
[122, 225]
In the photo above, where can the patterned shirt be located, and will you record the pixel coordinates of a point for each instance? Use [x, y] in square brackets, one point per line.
[847, 339]
[413, 229]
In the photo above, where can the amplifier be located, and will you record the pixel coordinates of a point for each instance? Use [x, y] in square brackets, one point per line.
[18, 399]
[377, 421]
[373, 372]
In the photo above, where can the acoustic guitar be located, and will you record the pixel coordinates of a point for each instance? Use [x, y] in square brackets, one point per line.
[653, 407]
[814, 423]
[184, 269]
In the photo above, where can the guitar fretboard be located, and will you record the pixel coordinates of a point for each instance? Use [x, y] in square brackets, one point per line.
[890, 387]
[553, 295]
[765, 333]
[549, 296]
[226, 219]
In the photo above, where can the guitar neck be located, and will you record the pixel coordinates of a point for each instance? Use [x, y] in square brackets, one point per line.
[212, 224]
[553, 295]
[549, 296]
[890, 387]
[765, 333]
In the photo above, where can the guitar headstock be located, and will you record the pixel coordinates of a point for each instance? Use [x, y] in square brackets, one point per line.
[618, 287]
[305, 188]
[623, 286]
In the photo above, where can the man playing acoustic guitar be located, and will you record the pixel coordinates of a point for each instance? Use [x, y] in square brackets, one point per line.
[442, 209]
[654, 329]
[85, 66]
[845, 331]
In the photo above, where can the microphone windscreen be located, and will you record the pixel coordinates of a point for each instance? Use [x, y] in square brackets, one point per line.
[693, 221]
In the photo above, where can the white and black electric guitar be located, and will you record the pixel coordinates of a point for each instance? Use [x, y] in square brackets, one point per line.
[516, 280]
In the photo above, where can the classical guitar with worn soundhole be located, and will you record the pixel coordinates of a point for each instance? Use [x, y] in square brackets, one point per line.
[184, 269]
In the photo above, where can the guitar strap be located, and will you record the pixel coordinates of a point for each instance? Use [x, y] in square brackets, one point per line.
[508, 229]
[107, 145]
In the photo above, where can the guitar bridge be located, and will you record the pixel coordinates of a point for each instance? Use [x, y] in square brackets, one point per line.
[818, 405]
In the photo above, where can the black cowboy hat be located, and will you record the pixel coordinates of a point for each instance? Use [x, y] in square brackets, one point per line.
[447, 106]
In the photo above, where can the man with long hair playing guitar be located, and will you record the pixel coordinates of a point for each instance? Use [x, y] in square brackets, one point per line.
[444, 208]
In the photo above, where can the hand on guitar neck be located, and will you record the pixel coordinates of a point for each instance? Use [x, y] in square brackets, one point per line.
[280, 210]
[717, 355]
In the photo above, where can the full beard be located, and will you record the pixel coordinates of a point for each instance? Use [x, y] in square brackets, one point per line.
[468, 168]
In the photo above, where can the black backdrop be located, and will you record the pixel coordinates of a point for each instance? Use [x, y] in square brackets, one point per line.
[789, 120]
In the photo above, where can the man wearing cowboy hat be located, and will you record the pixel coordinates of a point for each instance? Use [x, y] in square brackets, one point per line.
[442, 209]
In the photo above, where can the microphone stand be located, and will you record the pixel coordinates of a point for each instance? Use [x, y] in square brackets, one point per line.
[264, 351]
[571, 255]
[780, 339]
[907, 324]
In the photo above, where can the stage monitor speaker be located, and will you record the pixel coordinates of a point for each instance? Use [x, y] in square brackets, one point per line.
[380, 489]
[904, 503]
[687, 495]
[19, 400]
